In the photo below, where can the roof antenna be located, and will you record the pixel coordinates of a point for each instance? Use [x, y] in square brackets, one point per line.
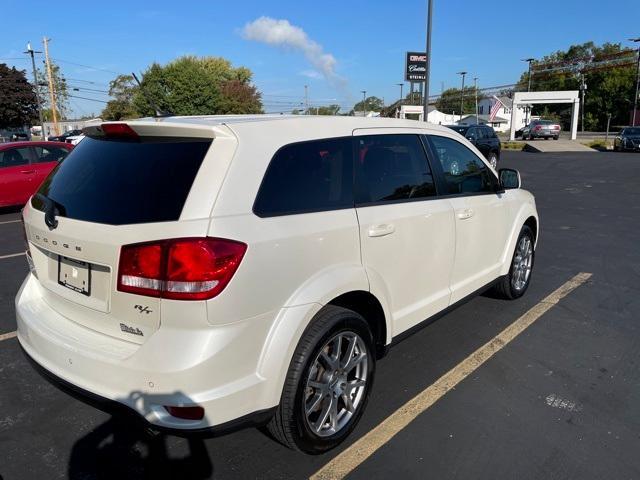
[159, 112]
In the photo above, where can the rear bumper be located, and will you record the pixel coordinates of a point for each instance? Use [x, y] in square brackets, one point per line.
[214, 367]
[254, 419]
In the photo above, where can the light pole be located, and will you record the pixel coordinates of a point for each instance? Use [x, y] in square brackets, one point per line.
[31, 52]
[425, 98]
[401, 85]
[529, 60]
[635, 99]
[462, 94]
[475, 87]
[364, 103]
[306, 100]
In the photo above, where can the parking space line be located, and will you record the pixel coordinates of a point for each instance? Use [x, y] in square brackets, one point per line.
[2, 257]
[345, 462]
[10, 221]
[7, 336]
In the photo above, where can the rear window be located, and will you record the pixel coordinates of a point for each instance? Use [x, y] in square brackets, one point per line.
[307, 177]
[121, 182]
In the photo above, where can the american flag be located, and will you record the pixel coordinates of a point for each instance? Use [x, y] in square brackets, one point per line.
[495, 108]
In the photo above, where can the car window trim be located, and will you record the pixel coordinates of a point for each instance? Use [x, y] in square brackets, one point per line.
[440, 174]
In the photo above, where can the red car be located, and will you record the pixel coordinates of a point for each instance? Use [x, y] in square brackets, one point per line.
[23, 167]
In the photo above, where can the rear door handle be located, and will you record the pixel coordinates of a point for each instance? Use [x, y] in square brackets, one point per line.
[26, 172]
[381, 230]
[466, 213]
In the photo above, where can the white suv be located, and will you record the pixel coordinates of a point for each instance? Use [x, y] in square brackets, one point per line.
[211, 272]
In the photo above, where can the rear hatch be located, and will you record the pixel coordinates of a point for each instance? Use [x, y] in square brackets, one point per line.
[117, 187]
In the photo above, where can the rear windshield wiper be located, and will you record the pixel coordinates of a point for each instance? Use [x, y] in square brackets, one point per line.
[51, 209]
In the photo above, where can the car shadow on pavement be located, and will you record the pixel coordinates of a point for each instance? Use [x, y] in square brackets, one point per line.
[122, 448]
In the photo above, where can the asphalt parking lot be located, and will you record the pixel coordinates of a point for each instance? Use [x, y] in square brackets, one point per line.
[562, 400]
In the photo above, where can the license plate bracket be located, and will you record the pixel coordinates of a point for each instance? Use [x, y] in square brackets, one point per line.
[74, 275]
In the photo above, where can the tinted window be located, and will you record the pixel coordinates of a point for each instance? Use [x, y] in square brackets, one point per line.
[460, 130]
[463, 171]
[122, 182]
[308, 177]
[390, 168]
[631, 131]
[14, 157]
[50, 154]
[473, 134]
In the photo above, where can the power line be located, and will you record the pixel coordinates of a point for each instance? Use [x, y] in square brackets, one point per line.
[86, 98]
[86, 66]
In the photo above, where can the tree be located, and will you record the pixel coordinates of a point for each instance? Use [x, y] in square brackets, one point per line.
[191, 85]
[61, 88]
[609, 73]
[18, 103]
[371, 104]
[239, 97]
[122, 89]
[449, 101]
[325, 110]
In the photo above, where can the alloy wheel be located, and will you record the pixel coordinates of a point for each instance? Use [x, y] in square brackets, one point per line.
[522, 263]
[336, 384]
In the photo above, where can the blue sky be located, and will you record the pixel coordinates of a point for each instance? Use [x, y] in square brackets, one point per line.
[367, 40]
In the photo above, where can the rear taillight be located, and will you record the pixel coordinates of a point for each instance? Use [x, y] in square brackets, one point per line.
[180, 269]
[556, 127]
[537, 127]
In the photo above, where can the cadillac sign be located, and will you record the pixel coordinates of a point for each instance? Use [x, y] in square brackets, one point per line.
[415, 67]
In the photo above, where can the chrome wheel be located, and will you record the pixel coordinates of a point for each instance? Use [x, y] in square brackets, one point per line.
[336, 384]
[522, 263]
[493, 160]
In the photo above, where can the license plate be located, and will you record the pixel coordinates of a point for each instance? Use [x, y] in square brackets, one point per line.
[75, 275]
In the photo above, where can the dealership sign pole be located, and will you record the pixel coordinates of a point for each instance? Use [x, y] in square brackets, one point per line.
[415, 70]
[425, 98]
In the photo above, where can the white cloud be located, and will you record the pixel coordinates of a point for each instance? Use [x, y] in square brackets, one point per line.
[310, 74]
[281, 34]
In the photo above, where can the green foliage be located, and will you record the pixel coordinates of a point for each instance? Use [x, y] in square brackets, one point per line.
[371, 104]
[61, 89]
[325, 110]
[449, 101]
[610, 89]
[123, 89]
[191, 85]
[18, 105]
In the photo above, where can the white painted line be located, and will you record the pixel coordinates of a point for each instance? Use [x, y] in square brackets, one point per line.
[10, 221]
[7, 336]
[2, 257]
[349, 459]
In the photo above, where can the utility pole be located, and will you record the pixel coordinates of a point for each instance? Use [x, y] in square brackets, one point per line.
[425, 98]
[31, 52]
[475, 87]
[462, 94]
[52, 91]
[529, 60]
[306, 100]
[364, 103]
[583, 87]
[635, 99]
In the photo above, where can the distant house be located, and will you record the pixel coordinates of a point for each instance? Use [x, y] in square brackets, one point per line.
[498, 123]
[503, 114]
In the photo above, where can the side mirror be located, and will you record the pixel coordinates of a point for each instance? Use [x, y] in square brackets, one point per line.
[509, 178]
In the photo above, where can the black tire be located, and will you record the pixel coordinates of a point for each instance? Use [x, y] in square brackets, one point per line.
[556, 138]
[289, 424]
[505, 288]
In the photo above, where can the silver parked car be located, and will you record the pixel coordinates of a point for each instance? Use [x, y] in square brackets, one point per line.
[541, 129]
